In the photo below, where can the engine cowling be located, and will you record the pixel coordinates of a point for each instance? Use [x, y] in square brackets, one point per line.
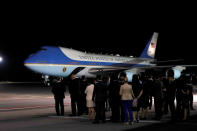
[131, 72]
[177, 71]
[129, 75]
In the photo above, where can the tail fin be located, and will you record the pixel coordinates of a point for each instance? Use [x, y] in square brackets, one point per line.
[149, 51]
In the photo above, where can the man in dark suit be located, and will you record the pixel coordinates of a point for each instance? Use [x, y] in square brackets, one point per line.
[75, 93]
[100, 96]
[58, 89]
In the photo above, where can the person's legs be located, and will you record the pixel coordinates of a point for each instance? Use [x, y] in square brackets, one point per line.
[165, 105]
[92, 113]
[89, 112]
[139, 113]
[122, 115]
[62, 106]
[84, 108]
[129, 105]
[116, 112]
[134, 115]
[57, 106]
[191, 102]
[103, 111]
[79, 106]
[112, 110]
[97, 117]
[124, 103]
[178, 108]
[172, 109]
[144, 107]
[115, 107]
[73, 105]
[158, 109]
[185, 114]
[145, 113]
[137, 116]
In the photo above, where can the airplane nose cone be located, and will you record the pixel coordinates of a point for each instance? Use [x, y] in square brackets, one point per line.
[29, 60]
[26, 61]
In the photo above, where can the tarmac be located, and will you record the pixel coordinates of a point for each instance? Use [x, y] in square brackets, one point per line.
[30, 106]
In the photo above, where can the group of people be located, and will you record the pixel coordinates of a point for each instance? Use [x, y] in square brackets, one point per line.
[125, 99]
[167, 90]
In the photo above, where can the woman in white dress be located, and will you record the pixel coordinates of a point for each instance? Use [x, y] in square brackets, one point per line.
[89, 102]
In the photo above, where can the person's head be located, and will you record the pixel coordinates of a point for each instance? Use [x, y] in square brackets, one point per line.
[170, 73]
[60, 78]
[125, 80]
[57, 79]
[72, 76]
[149, 77]
[135, 78]
[94, 80]
[122, 76]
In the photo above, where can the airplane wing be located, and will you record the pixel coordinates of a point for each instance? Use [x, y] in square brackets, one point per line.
[155, 61]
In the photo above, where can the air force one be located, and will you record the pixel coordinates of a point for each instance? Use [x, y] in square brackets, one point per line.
[60, 61]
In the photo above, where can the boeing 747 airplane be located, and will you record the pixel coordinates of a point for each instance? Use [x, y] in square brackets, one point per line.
[60, 61]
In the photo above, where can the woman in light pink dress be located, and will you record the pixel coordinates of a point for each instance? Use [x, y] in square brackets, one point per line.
[89, 102]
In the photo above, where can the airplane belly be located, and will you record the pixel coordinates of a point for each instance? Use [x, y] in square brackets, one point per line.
[52, 70]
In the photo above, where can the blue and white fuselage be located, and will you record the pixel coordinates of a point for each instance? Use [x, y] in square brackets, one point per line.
[60, 61]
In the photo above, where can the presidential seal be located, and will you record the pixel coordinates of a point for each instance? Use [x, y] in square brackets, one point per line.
[64, 69]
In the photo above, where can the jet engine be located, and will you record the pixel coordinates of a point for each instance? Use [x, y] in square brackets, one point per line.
[176, 71]
[131, 72]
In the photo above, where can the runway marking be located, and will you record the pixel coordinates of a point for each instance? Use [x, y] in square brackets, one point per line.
[108, 119]
[11, 82]
[30, 107]
[29, 97]
[149, 121]
[22, 108]
[84, 117]
[25, 98]
[69, 117]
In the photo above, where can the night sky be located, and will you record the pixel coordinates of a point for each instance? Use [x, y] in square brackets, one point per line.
[109, 30]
